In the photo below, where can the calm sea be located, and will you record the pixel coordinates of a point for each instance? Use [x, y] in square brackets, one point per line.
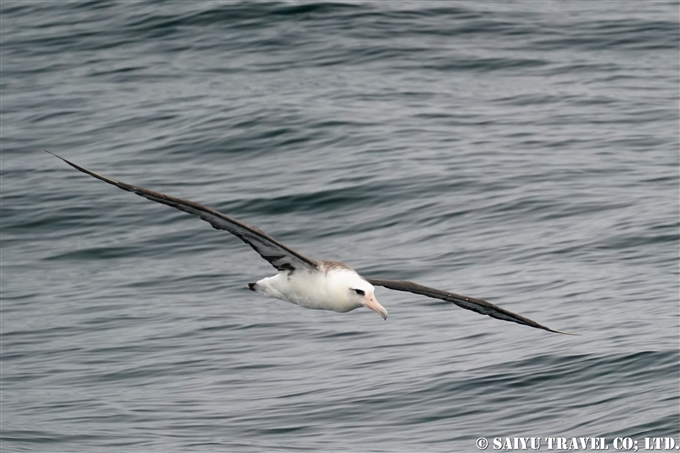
[521, 152]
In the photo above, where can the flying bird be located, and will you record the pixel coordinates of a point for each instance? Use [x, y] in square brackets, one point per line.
[310, 283]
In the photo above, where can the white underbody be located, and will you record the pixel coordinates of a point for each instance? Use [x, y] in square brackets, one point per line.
[316, 289]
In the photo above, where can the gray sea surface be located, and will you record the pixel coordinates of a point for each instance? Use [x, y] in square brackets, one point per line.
[521, 152]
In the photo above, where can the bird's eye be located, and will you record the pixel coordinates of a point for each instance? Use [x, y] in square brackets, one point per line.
[360, 292]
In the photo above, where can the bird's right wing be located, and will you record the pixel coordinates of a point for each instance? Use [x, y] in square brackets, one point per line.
[277, 254]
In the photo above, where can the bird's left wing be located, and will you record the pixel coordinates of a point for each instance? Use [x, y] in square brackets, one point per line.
[469, 303]
[277, 254]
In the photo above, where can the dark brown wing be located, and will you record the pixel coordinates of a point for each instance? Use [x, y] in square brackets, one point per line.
[469, 303]
[279, 255]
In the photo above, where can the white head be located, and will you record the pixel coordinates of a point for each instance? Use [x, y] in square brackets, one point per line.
[365, 292]
[355, 291]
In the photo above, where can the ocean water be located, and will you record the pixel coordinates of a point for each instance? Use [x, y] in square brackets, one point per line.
[521, 152]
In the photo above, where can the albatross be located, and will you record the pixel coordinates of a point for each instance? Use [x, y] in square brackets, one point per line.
[307, 282]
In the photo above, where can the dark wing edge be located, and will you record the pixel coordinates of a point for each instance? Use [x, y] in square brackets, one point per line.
[277, 254]
[469, 303]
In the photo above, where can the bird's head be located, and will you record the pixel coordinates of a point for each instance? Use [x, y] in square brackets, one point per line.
[364, 294]
[368, 300]
[352, 289]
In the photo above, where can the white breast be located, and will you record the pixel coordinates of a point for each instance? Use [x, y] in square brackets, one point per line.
[313, 289]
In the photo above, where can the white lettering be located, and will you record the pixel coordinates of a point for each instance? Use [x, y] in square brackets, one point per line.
[623, 443]
[519, 443]
[656, 445]
[598, 443]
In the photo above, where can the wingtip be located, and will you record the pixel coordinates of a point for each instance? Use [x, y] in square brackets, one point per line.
[565, 333]
[57, 156]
